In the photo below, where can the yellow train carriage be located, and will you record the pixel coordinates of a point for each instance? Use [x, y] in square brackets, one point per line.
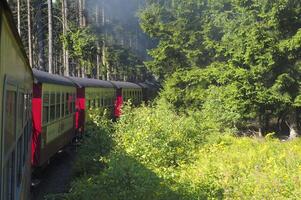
[130, 91]
[15, 107]
[53, 109]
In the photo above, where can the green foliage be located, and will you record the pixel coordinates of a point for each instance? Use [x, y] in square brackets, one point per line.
[244, 168]
[160, 155]
[81, 43]
[124, 178]
[252, 49]
[98, 142]
[159, 137]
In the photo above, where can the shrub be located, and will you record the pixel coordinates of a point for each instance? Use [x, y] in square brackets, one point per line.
[97, 143]
[123, 179]
[244, 168]
[158, 137]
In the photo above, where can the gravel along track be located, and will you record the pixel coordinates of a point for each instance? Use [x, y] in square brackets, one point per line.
[55, 178]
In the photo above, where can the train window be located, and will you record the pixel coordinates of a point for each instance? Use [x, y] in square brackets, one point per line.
[67, 104]
[102, 101]
[10, 120]
[27, 135]
[19, 161]
[9, 177]
[45, 107]
[25, 109]
[21, 112]
[89, 103]
[72, 103]
[96, 103]
[52, 106]
[63, 105]
[93, 103]
[58, 105]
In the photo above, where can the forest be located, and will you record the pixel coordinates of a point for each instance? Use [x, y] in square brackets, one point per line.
[226, 122]
[84, 38]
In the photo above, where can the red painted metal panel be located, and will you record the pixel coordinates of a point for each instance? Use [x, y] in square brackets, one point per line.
[80, 110]
[37, 123]
[118, 103]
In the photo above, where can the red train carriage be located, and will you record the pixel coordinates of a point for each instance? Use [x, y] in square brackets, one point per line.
[91, 93]
[15, 113]
[53, 108]
[126, 91]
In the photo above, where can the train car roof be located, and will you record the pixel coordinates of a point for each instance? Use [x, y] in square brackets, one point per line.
[45, 77]
[87, 82]
[121, 85]
[144, 85]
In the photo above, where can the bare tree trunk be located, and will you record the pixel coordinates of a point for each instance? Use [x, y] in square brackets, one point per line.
[41, 36]
[29, 32]
[104, 61]
[19, 16]
[98, 66]
[84, 13]
[65, 29]
[81, 12]
[50, 37]
[80, 6]
[98, 51]
[292, 124]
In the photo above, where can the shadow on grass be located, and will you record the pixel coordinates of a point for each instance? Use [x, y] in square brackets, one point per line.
[104, 172]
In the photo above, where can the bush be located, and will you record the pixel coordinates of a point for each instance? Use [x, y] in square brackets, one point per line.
[160, 155]
[123, 179]
[244, 168]
[97, 144]
[158, 137]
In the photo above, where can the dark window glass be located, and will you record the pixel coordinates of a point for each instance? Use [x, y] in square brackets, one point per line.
[52, 98]
[21, 113]
[52, 106]
[52, 112]
[74, 100]
[58, 106]
[9, 177]
[45, 108]
[67, 104]
[10, 120]
[63, 105]
[19, 161]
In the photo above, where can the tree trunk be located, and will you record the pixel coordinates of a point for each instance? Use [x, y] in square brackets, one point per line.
[292, 123]
[29, 32]
[50, 36]
[98, 51]
[84, 13]
[41, 36]
[81, 12]
[65, 29]
[98, 66]
[104, 61]
[19, 16]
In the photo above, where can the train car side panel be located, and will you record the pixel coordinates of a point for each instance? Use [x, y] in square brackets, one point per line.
[15, 118]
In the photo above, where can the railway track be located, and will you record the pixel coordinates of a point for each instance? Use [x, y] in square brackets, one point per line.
[55, 178]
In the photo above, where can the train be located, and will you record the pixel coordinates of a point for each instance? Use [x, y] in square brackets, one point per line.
[41, 113]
